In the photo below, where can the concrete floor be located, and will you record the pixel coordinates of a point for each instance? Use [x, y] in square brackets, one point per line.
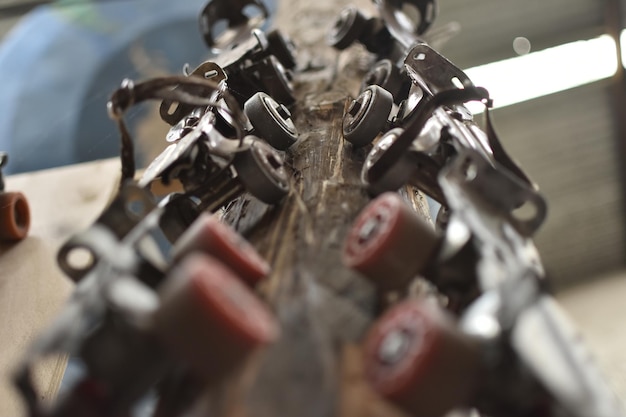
[599, 310]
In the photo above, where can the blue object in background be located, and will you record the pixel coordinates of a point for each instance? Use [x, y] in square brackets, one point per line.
[62, 61]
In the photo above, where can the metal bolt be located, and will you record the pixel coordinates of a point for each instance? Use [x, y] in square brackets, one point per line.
[355, 106]
[358, 109]
[370, 228]
[394, 346]
[283, 112]
[342, 21]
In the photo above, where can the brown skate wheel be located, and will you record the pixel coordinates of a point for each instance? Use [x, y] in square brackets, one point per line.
[416, 358]
[209, 235]
[14, 216]
[389, 243]
[210, 319]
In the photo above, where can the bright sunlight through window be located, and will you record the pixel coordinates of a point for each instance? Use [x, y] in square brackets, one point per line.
[545, 72]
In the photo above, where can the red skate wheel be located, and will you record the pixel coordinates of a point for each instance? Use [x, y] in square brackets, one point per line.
[210, 319]
[14, 216]
[417, 359]
[210, 236]
[389, 243]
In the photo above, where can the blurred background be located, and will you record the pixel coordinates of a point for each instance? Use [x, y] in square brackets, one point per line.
[61, 60]
[553, 67]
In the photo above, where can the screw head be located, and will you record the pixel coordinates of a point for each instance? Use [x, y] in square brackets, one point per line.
[394, 346]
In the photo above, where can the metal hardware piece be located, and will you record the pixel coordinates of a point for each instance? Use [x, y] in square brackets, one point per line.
[236, 18]
[388, 76]
[347, 28]
[404, 25]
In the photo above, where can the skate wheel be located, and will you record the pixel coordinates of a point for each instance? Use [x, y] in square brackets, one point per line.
[238, 25]
[262, 171]
[347, 28]
[209, 235]
[367, 115]
[210, 318]
[417, 359]
[271, 121]
[388, 243]
[14, 216]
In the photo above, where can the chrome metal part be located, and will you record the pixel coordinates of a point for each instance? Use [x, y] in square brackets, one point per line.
[388, 76]
[224, 23]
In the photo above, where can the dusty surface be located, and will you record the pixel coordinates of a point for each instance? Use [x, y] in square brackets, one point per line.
[63, 201]
[599, 310]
